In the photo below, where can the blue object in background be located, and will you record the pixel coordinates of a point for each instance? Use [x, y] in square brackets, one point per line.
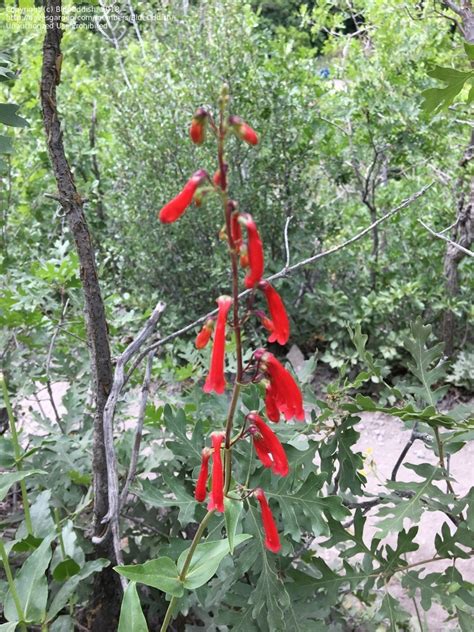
[324, 73]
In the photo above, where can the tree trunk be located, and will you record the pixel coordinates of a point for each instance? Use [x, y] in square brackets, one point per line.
[103, 612]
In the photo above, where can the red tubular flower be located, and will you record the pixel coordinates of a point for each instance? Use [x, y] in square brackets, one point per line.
[236, 230]
[244, 257]
[272, 539]
[176, 207]
[266, 322]
[276, 307]
[201, 485]
[255, 252]
[271, 407]
[217, 177]
[215, 380]
[216, 500]
[283, 395]
[243, 130]
[268, 445]
[197, 129]
[204, 335]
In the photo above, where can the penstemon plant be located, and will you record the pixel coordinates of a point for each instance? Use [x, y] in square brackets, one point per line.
[283, 397]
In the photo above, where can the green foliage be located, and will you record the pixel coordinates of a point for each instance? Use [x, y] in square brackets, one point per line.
[320, 132]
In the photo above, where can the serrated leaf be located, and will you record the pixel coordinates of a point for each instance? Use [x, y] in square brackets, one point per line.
[132, 618]
[206, 560]
[422, 495]
[303, 510]
[160, 573]
[31, 585]
[390, 609]
[156, 497]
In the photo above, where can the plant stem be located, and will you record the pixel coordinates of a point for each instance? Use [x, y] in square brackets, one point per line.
[187, 562]
[439, 443]
[11, 585]
[17, 453]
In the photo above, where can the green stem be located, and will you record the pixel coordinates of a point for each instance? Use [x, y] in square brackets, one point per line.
[57, 520]
[187, 562]
[17, 453]
[11, 585]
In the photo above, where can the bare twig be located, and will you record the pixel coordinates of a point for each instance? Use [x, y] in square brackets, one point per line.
[112, 516]
[287, 246]
[138, 430]
[48, 366]
[286, 271]
[446, 239]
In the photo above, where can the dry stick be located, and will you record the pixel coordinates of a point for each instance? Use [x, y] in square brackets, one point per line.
[138, 430]
[112, 516]
[287, 270]
[48, 366]
[446, 239]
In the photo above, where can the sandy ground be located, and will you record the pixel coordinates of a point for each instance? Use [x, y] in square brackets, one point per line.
[382, 439]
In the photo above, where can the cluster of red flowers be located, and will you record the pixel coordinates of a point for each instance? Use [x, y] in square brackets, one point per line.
[282, 396]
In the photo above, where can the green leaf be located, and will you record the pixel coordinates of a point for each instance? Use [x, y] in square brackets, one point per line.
[64, 623]
[8, 627]
[132, 618]
[31, 585]
[152, 495]
[469, 48]
[232, 511]
[206, 560]
[70, 586]
[66, 569]
[439, 98]
[159, 573]
[465, 620]
[390, 609]
[10, 478]
[6, 146]
[304, 509]
[8, 115]
[421, 496]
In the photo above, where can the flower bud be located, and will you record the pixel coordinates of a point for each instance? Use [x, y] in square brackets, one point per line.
[197, 129]
[243, 131]
[176, 207]
[205, 334]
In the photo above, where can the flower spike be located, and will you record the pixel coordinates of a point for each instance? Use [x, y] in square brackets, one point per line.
[176, 207]
[197, 129]
[200, 492]
[278, 315]
[215, 380]
[267, 445]
[216, 500]
[272, 539]
[243, 130]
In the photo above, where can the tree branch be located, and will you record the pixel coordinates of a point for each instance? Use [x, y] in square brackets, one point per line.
[106, 600]
[446, 239]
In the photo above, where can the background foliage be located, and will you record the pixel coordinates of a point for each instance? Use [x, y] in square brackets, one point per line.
[336, 92]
